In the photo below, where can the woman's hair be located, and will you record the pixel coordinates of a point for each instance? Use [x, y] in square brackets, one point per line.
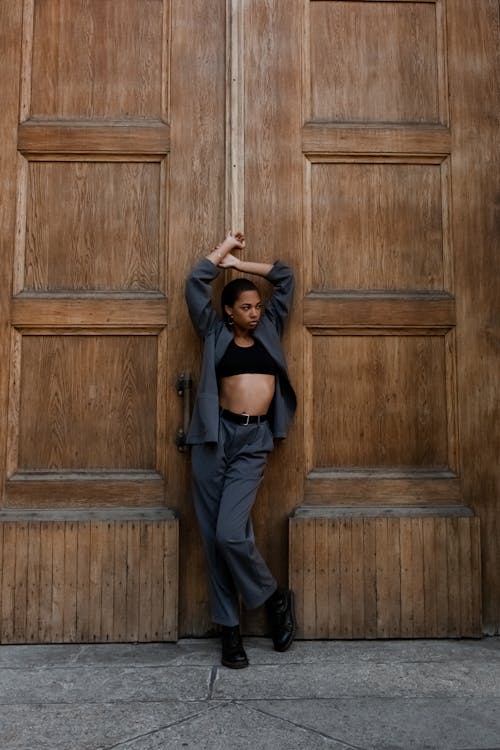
[232, 291]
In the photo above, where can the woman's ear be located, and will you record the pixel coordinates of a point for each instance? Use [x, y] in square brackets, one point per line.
[228, 310]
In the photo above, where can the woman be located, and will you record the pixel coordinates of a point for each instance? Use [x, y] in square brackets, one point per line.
[244, 401]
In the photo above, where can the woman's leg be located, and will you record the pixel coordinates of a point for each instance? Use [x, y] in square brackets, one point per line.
[208, 468]
[246, 459]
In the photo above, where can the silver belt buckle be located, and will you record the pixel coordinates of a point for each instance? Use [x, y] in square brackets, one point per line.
[248, 419]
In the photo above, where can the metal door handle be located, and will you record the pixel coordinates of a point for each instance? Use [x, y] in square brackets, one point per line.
[184, 385]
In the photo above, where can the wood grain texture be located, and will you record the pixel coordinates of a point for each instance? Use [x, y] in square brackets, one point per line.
[374, 139]
[379, 401]
[97, 60]
[474, 64]
[353, 77]
[69, 596]
[383, 576]
[384, 310]
[377, 226]
[350, 486]
[84, 405]
[33, 582]
[127, 138]
[92, 226]
[52, 489]
[376, 124]
[11, 25]
[196, 204]
[93, 312]
[85, 227]
[273, 225]
[90, 581]
[8, 558]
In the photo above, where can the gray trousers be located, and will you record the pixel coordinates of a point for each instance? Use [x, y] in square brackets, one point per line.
[226, 477]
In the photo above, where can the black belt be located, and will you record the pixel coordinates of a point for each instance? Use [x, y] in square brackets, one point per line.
[242, 418]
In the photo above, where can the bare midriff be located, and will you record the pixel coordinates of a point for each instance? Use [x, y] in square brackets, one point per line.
[248, 393]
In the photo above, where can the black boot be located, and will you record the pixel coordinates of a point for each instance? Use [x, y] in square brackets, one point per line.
[233, 653]
[281, 616]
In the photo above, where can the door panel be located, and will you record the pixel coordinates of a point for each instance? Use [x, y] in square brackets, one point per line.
[344, 368]
[57, 371]
[374, 61]
[97, 60]
[377, 231]
[93, 226]
[380, 225]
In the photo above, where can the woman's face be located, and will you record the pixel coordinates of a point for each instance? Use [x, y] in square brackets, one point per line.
[246, 311]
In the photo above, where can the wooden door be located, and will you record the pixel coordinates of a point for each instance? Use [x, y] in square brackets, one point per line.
[113, 170]
[364, 123]
[353, 139]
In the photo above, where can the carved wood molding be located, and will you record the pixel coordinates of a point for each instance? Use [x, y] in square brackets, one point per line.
[235, 116]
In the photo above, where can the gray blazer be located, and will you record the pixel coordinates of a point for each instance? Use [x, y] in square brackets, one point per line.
[204, 427]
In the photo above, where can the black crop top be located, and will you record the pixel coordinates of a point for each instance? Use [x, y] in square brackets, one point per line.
[237, 360]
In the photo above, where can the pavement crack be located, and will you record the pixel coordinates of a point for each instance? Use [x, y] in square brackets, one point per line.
[213, 678]
[305, 727]
[152, 732]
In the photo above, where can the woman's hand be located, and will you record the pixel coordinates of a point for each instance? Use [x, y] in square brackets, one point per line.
[230, 261]
[233, 241]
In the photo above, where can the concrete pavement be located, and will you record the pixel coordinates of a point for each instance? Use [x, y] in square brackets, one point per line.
[336, 695]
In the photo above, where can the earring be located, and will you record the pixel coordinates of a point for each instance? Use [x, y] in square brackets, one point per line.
[230, 320]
